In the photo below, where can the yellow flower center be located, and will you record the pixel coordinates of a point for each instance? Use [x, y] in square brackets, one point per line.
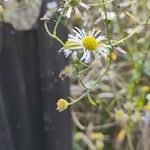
[90, 43]
[62, 104]
[119, 114]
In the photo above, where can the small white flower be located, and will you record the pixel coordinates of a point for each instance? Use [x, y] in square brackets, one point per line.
[129, 106]
[121, 116]
[85, 45]
[71, 5]
[110, 16]
[51, 8]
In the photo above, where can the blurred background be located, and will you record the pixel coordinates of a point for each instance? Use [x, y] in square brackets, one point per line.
[29, 82]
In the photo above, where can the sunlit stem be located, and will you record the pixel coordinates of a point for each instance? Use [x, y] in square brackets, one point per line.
[94, 85]
[106, 22]
[53, 36]
[81, 82]
[130, 142]
[79, 77]
[89, 67]
[138, 22]
[127, 37]
[58, 21]
[92, 5]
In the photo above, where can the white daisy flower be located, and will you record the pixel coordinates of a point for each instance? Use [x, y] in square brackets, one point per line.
[85, 45]
[71, 5]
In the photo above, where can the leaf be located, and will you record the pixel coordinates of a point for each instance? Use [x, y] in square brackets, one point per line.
[91, 100]
[141, 101]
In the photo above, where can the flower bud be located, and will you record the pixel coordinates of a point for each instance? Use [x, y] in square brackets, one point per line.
[62, 105]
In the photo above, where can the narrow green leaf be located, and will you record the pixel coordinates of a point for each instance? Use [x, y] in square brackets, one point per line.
[91, 100]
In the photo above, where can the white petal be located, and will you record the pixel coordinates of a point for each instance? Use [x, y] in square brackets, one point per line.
[77, 11]
[86, 56]
[120, 50]
[96, 33]
[73, 37]
[83, 32]
[104, 52]
[80, 31]
[69, 12]
[78, 34]
[84, 5]
[60, 10]
[67, 52]
[61, 49]
[101, 38]
[92, 33]
[74, 55]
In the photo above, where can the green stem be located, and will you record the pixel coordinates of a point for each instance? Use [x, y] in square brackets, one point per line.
[58, 21]
[106, 22]
[104, 3]
[130, 142]
[96, 82]
[53, 36]
[127, 37]
[79, 77]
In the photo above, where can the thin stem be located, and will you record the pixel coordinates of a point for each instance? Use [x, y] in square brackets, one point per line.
[79, 77]
[96, 82]
[89, 67]
[127, 37]
[84, 70]
[105, 126]
[58, 21]
[88, 141]
[104, 3]
[107, 30]
[75, 119]
[81, 82]
[130, 142]
[106, 21]
[135, 20]
[53, 36]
